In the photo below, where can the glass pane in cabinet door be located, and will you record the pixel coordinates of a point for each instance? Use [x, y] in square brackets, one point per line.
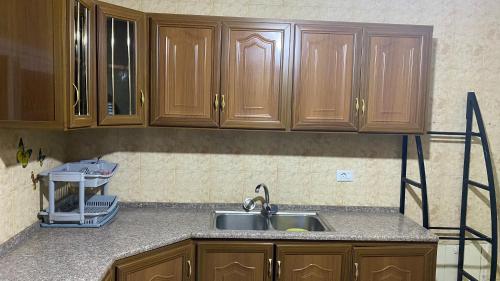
[82, 43]
[121, 67]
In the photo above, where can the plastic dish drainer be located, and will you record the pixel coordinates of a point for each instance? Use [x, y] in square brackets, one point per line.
[75, 211]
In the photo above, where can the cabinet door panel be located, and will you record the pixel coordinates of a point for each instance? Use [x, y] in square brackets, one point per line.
[235, 261]
[167, 264]
[122, 65]
[395, 69]
[255, 75]
[396, 263]
[185, 73]
[326, 77]
[31, 33]
[82, 100]
[308, 262]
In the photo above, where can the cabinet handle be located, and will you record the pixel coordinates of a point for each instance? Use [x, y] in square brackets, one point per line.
[356, 273]
[222, 102]
[279, 269]
[142, 98]
[216, 102]
[77, 95]
[270, 267]
[362, 106]
[357, 105]
[189, 268]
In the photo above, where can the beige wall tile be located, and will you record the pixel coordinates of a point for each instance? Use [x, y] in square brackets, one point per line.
[19, 201]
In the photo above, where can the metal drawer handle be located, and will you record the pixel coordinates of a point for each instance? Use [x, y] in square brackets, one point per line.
[270, 268]
[362, 106]
[142, 98]
[357, 105]
[222, 103]
[216, 102]
[279, 269]
[356, 274]
[189, 268]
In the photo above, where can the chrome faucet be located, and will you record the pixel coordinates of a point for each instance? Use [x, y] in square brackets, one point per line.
[267, 209]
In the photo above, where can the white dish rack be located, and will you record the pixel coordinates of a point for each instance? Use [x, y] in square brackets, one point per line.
[78, 212]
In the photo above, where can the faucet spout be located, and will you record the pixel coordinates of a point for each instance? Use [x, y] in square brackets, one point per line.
[267, 209]
[266, 191]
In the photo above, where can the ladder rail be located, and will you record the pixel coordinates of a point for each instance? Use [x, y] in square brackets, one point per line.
[422, 185]
[473, 112]
[465, 191]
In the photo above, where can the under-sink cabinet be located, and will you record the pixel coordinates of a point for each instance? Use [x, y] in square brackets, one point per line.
[323, 261]
[217, 260]
[235, 261]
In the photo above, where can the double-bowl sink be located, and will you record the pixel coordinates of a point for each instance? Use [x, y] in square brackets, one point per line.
[280, 221]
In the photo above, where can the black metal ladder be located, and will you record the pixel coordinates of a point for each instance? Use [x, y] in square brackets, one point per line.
[465, 232]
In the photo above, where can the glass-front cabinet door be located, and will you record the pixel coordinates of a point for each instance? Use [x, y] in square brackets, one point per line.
[122, 65]
[81, 101]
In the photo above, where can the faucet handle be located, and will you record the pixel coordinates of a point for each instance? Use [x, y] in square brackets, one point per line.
[273, 209]
[248, 204]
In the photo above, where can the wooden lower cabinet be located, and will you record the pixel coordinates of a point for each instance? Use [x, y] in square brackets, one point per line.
[398, 263]
[109, 275]
[230, 261]
[172, 263]
[318, 262]
[280, 261]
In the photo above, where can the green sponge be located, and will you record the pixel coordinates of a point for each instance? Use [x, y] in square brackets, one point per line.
[297, 230]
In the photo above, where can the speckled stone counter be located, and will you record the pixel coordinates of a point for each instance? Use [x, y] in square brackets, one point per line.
[87, 254]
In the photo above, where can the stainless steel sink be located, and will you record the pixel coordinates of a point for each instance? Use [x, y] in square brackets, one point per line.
[240, 221]
[282, 221]
[306, 221]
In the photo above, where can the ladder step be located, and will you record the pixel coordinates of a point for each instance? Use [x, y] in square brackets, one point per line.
[412, 182]
[468, 276]
[479, 185]
[445, 227]
[448, 238]
[452, 133]
[478, 234]
[458, 238]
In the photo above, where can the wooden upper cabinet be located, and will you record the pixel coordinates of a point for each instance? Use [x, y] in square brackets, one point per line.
[185, 71]
[81, 104]
[172, 263]
[318, 262]
[235, 261]
[31, 63]
[326, 77]
[402, 263]
[255, 72]
[395, 72]
[122, 68]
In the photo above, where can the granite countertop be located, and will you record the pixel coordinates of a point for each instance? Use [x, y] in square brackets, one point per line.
[87, 254]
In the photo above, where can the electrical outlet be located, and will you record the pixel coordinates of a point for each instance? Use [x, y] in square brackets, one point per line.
[344, 175]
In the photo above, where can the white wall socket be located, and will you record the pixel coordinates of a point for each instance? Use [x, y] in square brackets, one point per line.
[344, 175]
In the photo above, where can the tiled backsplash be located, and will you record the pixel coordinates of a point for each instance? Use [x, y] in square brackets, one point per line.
[19, 202]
